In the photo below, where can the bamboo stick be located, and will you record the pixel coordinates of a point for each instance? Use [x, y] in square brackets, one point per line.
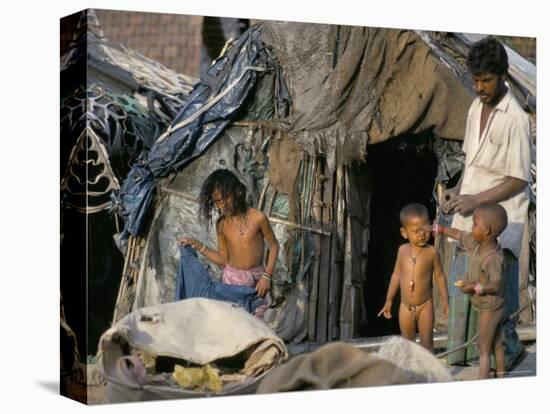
[302, 213]
[304, 274]
[336, 262]
[272, 201]
[313, 293]
[123, 278]
[136, 260]
[299, 226]
[325, 270]
[117, 226]
[262, 195]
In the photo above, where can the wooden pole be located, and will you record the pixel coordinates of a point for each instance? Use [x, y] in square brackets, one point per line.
[123, 278]
[314, 285]
[325, 270]
[299, 226]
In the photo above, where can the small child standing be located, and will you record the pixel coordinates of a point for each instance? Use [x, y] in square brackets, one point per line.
[416, 262]
[484, 280]
[241, 231]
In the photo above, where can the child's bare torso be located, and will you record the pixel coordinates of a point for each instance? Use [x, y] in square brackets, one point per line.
[415, 279]
[244, 239]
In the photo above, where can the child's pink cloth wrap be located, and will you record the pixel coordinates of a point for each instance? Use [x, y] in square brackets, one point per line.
[248, 277]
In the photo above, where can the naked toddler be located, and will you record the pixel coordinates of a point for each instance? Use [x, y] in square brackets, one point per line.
[416, 262]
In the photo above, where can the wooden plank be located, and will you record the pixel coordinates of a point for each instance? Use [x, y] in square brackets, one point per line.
[299, 226]
[304, 166]
[314, 281]
[359, 200]
[325, 265]
[300, 215]
[347, 302]
[123, 281]
[336, 260]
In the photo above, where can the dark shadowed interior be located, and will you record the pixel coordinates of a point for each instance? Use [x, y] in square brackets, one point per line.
[403, 170]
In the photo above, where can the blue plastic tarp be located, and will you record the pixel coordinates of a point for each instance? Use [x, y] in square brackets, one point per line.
[212, 104]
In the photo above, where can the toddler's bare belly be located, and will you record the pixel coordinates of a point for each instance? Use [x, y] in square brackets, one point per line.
[415, 298]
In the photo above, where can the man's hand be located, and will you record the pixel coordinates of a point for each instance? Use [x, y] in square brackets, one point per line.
[262, 287]
[386, 310]
[464, 204]
[448, 195]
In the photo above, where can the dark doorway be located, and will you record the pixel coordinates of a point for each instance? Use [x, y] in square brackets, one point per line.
[402, 170]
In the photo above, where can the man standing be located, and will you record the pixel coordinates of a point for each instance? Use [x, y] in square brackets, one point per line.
[497, 145]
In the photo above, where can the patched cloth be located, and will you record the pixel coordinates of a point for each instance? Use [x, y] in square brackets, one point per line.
[340, 365]
[363, 85]
[486, 267]
[335, 365]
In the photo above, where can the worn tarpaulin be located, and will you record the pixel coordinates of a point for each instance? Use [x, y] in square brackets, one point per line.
[341, 365]
[353, 86]
[211, 106]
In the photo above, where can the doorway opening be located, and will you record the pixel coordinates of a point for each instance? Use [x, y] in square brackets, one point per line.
[402, 170]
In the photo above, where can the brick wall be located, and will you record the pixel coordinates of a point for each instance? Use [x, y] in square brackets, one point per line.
[171, 39]
[176, 40]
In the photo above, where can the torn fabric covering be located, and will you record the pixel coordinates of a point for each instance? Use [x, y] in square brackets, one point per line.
[363, 85]
[213, 103]
[223, 330]
[176, 217]
[450, 159]
[340, 365]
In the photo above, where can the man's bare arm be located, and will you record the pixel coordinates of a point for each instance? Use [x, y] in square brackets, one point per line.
[465, 204]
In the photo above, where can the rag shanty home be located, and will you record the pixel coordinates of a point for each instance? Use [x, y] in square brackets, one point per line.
[331, 128]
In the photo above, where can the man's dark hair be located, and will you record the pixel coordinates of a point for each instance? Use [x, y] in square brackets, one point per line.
[412, 210]
[227, 184]
[487, 56]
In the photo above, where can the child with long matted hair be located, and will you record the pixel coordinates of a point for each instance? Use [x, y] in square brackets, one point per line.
[241, 231]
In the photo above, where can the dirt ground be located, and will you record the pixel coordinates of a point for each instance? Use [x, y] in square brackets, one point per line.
[525, 368]
[97, 394]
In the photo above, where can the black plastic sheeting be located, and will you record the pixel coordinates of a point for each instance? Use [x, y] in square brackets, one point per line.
[212, 104]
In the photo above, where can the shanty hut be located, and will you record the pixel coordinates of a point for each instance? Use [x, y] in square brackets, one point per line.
[332, 129]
